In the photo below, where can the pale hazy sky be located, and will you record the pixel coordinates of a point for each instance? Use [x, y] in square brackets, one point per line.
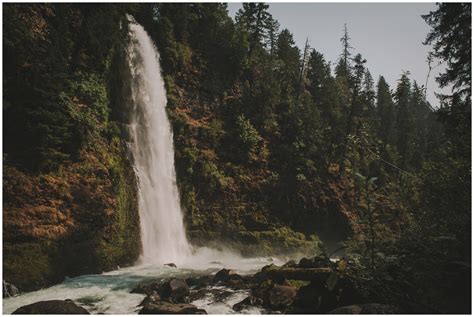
[388, 35]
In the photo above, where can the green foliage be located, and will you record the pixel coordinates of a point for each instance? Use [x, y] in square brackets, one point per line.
[285, 146]
[248, 137]
[451, 36]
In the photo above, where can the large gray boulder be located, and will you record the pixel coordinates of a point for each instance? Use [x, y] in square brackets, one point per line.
[226, 275]
[162, 307]
[175, 290]
[52, 307]
[147, 288]
[281, 296]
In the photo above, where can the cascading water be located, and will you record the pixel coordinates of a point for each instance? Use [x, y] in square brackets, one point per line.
[163, 234]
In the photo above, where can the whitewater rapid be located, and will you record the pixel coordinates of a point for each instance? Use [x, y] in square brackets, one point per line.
[109, 293]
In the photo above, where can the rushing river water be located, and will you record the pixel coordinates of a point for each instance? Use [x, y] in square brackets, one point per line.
[162, 230]
[109, 292]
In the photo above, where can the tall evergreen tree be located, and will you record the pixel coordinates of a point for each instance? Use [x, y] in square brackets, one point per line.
[254, 19]
[385, 113]
[404, 120]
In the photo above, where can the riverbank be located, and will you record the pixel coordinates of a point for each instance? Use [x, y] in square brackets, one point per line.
[311, 285]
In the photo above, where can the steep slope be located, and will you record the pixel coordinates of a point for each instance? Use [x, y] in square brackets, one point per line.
[70, 193]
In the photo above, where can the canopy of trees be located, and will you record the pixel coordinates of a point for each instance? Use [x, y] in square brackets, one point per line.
[269, 135]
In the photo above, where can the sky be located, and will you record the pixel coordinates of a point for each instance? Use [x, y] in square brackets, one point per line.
[388, 35]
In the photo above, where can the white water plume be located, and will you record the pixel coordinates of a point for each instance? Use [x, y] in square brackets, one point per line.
[162, 229]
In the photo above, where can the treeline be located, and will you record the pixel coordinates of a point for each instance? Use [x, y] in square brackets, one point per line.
[280, 137]
[267, 135]
[54, 57]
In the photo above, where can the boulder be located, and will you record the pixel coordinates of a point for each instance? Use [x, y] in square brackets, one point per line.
[147, 288]
[317, 297]
[216, 293]
[308, 299]
[9, 290]
[52, 307]
[162, 307]
[281, 296]
[250, 301]
[290, 263]
[315, 262]
[365, 309]
[150, 299]
[269, 267]
[170, 265]
[176, 290]
[225, 275]
[199, 282]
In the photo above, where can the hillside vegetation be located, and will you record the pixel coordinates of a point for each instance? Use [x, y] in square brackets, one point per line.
[275, 148]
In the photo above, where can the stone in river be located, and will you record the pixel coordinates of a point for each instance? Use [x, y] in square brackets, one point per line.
[52, 307]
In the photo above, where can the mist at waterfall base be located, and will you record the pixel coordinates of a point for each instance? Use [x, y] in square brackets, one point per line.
[162, 230]
[151, 146]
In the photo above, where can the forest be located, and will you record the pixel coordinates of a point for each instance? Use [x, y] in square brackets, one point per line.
[276, 150]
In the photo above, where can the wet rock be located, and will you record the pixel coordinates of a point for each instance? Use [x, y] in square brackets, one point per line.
[262, 289]
[153, 298]
[315, 262]
[9, 290]
[176, 290]
[308, 299]
[250, 301]
[162, 307]
[204, 292]
[317, 297]
[222, 295]
[199, 282]
[197, 295]
[290, 263]
[365, 309]
[170, 264]
[281, 296]
[225, 275]
[261, 276]
[52, 307]
[147, 288]
[269, 267]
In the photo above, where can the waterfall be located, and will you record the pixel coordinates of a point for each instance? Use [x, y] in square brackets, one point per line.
[161, 220]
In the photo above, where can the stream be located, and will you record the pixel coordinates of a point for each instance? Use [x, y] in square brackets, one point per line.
[109, 293]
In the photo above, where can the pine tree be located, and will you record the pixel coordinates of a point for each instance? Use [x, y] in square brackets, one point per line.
[451, 36]
[343, 68]
[404, 121]
[254, 19]
[385, 113]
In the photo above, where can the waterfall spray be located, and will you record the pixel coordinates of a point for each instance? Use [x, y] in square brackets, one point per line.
[162, 229]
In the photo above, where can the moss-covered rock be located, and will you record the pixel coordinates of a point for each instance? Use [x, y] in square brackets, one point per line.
[279, 241]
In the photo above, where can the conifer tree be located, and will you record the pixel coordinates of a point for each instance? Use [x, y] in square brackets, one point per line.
[385, 113]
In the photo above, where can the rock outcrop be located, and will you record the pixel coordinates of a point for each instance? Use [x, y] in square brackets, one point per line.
[52, 307]
[162, 307]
